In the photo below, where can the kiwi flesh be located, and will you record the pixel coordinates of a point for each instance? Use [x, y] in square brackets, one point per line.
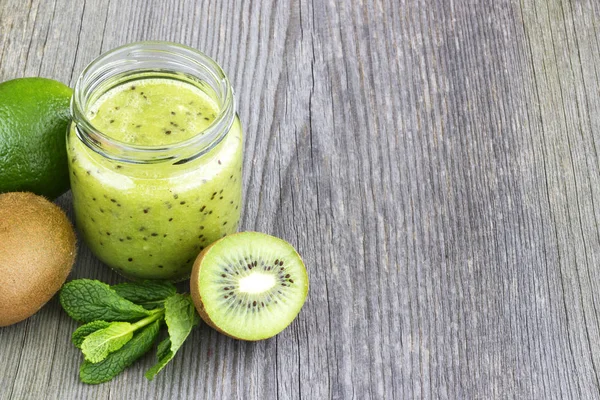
[37, 251]
[249, 285]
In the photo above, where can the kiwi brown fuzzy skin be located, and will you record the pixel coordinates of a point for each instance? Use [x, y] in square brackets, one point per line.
[37, 252]
[197, 296]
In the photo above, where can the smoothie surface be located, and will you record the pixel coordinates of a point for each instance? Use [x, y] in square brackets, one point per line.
[153, 112]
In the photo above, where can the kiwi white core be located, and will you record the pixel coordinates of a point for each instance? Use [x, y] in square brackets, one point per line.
[256, 282]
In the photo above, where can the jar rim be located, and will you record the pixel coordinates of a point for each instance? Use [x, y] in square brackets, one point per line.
[168, 59]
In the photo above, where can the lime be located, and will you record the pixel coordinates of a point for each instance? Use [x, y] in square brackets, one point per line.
[34, 115]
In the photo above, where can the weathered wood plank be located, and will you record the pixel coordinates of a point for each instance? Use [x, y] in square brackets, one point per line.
[434, 162]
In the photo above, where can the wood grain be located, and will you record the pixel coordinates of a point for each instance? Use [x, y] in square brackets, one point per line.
[435, 163]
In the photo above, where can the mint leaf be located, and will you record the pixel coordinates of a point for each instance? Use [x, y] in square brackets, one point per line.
[99, 344]
[145, 293]
[80, 333]
[116, 362]
[89, 300]
[163, 348]
[181, 317]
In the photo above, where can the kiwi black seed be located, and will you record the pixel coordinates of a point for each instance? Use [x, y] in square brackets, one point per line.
[249, 285]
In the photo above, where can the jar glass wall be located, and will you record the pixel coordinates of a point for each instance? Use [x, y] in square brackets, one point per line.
[155, 157]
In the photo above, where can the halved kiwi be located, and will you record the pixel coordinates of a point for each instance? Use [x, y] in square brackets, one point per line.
[249, 285]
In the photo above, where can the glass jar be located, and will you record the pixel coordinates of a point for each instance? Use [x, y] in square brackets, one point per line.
[147, 204]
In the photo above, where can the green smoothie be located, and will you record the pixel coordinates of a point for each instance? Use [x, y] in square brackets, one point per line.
[150, 221]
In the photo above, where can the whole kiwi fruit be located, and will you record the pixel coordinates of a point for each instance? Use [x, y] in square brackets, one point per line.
[37, 251]
[249, 285]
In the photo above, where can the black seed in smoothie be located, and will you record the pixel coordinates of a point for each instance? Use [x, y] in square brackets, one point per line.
[167, 132]
[172, 112]
[118, 204]
[206, 118]
[88, 172]
[117, 108]
[130, 259]
[107, 233]
[121, 240]
[202, 208]
[210, 212]
[119, 167]
[160, 266]
[102, 211]
[165, 235]
[175, 196]
[129, 238]
[93, 198]
[142, 228]
[111, 121]
[145, 238]
[73, 159]
[182, 202]
[170, 219]
[138, 126]
[221, 198]
[173, 124]
[200, 237]
[231, 177]
[93, 220]
[154, 234]
[146, 210]
[224, 223]
[132, 87]
[113, 200]
[201, 227]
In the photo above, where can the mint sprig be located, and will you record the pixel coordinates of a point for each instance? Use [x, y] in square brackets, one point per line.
[148, 294]
[116, 362]
[123, 323]
[88, 300]
[84, 330]
[181, 317]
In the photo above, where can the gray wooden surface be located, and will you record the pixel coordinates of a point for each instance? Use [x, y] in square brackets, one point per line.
[434, 161]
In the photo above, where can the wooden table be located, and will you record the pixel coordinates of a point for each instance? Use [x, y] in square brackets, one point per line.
[436, 163]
